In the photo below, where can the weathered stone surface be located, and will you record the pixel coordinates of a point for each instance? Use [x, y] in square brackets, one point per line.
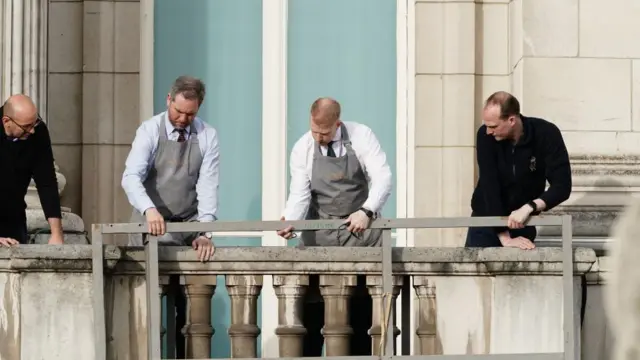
[287, 260]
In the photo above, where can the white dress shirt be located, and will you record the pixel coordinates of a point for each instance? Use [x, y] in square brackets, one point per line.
[368, 151]
[142, 154]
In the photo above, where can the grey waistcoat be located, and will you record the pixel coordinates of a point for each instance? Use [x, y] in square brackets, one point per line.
[171, 185]
[339, 187]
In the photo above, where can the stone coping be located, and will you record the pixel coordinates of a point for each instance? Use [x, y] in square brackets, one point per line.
[288, 260]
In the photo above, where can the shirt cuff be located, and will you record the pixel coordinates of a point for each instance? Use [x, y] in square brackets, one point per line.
[369, 205]
[207, 218]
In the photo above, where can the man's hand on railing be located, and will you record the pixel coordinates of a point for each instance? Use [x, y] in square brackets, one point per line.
[8, 241]
[155, 221]
[519, 242]
[287, 232]
[518, 218]
[204, 247]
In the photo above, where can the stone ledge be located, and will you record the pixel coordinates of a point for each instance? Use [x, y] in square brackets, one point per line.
[605, 170]
[590, 221]
[287, 260]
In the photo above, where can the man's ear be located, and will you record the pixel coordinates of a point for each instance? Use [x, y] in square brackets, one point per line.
[5, 119]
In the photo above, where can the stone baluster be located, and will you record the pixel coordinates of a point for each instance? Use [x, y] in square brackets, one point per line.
[374, 284]
[428, 342]
[243, 330]
[199, 290]
[290, 291]
[336, 291]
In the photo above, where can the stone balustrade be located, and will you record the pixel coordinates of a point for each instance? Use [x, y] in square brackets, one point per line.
[479, 301]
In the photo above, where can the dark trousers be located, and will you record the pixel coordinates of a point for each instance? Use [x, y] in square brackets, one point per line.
[16, 231]
[360, 311]
[487, 236]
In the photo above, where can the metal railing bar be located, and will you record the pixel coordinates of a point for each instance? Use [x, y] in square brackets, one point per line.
[538, 356]
[99, 318]
[567, 291]
[248, 226]
[152, 274]
[387, 288]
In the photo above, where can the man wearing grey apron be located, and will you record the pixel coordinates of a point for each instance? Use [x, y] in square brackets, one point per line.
[171, 175]
[338, 171]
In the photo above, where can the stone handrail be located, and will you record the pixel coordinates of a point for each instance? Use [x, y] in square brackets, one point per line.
[288, 260]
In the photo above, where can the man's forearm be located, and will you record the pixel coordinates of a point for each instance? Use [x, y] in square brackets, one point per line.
[540, 205]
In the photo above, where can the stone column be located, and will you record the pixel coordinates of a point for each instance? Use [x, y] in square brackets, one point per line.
[374, 284]
[198, 331]
[290, 291]
[24, 63]
[428, 342]
[336, 290]
[23, 29]
[244, 330]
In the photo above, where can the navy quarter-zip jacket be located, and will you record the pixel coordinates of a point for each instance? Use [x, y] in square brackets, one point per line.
[511, 175]
[19, 162]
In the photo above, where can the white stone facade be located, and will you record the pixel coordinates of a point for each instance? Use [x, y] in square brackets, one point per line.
[574, 62]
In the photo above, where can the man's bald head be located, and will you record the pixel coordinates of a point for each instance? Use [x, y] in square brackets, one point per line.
[325, 111]
[19, 116]
[325, 119]
[20, 107]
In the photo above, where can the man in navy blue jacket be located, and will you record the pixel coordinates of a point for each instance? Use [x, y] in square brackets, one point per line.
[516, 157]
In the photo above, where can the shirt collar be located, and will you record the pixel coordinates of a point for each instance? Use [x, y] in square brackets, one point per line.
[170, 128]
[338, 135]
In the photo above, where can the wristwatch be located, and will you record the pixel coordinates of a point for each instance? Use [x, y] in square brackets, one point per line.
[533, 205]
[208, 235]
[368, 212]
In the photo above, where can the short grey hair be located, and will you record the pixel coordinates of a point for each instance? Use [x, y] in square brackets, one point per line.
[190, 87]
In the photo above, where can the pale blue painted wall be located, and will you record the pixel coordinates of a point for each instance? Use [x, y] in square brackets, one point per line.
[220, 41]
[345, 49]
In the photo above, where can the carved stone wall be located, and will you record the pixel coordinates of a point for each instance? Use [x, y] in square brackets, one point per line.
[602, 186]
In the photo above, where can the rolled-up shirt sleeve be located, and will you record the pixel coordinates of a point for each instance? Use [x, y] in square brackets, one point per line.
[380, 177]
[137, 167]
[208, 181]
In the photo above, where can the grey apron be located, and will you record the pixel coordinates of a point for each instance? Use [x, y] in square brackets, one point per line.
[171, 185]
[339, 187]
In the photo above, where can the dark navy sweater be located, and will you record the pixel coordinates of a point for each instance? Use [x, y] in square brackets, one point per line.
[513, 175]
[20, 161]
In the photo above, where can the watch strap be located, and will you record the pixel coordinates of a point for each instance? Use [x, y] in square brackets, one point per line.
[368, 212]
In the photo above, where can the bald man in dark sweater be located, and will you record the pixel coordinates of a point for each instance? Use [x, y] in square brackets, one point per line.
[25, 153]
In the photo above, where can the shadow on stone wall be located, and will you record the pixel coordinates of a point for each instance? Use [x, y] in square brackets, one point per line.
[590, 218]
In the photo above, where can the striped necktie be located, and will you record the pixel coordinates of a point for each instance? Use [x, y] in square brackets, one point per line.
[181, 133]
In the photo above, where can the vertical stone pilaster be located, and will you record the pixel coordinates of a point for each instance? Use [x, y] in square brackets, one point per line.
[290, 291]
[111, 42]
[445, 98]
[198, 330]
[336, 291]
[428, 342]
[243, 330]
[64, 99]
[380, 302]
